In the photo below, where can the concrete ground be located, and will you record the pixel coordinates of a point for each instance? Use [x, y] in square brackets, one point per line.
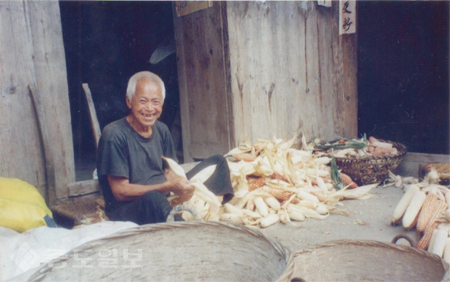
[367, 220]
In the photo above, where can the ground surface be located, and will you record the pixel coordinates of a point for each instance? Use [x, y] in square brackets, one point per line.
[367, 220]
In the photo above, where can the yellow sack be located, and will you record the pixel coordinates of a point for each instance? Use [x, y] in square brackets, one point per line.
[22, 206]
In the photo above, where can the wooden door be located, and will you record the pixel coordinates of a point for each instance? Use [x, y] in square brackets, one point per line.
[201, 46]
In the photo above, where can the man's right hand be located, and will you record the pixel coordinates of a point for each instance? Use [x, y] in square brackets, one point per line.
[182, 187]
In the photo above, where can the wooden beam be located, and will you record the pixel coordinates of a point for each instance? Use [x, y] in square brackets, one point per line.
[92, 114]
[83, 187]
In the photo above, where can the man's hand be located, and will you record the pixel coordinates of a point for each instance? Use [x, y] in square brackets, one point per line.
[183, 188]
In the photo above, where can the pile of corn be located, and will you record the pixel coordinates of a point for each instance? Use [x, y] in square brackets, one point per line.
[276, 183]
[424, 206]
[345, 147]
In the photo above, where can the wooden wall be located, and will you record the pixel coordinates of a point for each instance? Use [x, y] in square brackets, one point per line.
[290, 71]
[201, 40]
[32, 57]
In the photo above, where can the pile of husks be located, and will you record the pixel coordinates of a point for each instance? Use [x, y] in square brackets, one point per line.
[274, 182]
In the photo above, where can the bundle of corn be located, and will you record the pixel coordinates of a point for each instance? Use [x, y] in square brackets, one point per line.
[424, 206]
[356, 147]
[274, 182]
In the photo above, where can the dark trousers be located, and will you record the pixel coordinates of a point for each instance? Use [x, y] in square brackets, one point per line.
[153, 207]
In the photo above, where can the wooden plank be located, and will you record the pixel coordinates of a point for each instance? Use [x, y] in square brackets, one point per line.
[203, 86]
[51, 80]
[92, 114]
[83, 187]
[32, 53]
[20, 147]
[412, 161]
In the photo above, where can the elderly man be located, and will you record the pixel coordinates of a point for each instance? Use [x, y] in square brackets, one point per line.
[129, 164]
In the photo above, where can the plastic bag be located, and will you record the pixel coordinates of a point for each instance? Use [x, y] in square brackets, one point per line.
[22, 206]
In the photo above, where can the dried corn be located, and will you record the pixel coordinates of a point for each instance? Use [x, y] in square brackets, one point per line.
[433, 238]
[257, 183]
[403, 204]
[424, 242]
[412, 212]
[347, 181]
[279, 176]
[230, 217]
[261, 206]
[279, 194]
[439, 242]
[273, 203]
[270, 220]
[431, 209]
[303, 195]
[246, 157]
[447, 251]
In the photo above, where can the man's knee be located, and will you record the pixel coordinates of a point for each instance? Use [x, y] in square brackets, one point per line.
[217, 159]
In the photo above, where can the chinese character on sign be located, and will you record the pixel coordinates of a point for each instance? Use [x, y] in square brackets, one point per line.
[347, 17]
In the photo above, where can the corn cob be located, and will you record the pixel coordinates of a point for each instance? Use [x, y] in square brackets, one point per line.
[431, 210]
[261, 206]
[257, 183]
[322, 209]
[270, 220]
[433, 238]
[246, 157]
[424, 242]
[318, 195]
[403, 204]
[295, 214]
[279, 176]
[307, 196]
[348, 181]
[273, 203]
[439, 242]
[412, 212]
[230, 217]
[447, 251]
[250, 205]
[280, 194]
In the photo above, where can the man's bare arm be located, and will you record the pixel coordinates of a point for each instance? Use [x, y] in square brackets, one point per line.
[123, 190]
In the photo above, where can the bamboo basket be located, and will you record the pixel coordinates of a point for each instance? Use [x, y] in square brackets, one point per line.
[351, 260]
[181, 251]
[371, 169]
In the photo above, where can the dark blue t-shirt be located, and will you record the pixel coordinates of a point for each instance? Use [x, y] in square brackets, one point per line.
[125, 153]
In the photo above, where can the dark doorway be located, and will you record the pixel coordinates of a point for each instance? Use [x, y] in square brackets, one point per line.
[403, 73]
[105, 43]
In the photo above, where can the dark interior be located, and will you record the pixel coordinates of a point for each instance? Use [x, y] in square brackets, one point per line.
[403, 70]
[105, 43]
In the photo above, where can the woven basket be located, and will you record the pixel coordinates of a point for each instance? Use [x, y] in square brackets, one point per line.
[182, 251]
[371, 169]
[350, 260]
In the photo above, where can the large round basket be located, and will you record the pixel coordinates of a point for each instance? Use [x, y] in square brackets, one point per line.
[350, 260]
[371, 169]
[184, 251]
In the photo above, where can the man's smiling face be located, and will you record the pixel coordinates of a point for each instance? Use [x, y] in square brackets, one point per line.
[146, 104]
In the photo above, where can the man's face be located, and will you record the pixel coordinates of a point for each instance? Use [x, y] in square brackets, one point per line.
[147, 102]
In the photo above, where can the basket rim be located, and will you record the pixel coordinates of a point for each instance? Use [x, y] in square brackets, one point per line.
[401, 151]
[287, 275]
[45, 269]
